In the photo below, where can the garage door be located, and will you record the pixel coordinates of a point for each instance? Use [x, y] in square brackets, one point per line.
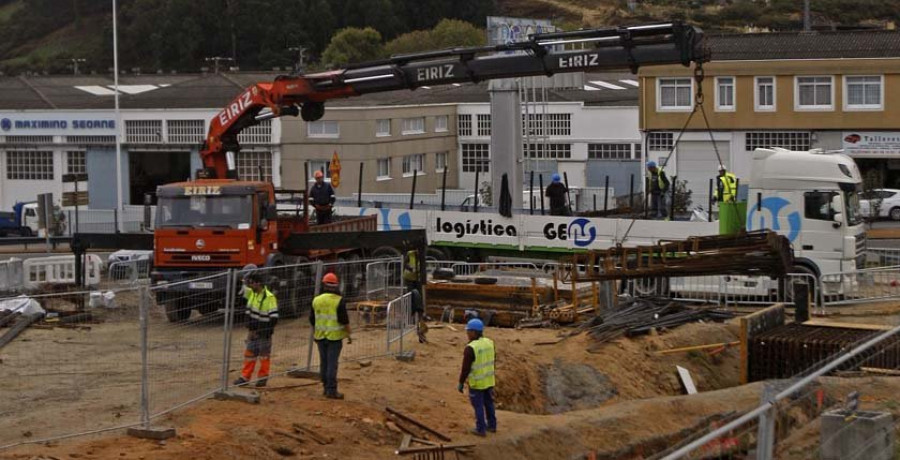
[697, 163]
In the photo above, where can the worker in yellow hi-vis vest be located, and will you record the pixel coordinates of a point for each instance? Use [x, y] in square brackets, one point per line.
[727, 186]
[478, 370]
[332, 325]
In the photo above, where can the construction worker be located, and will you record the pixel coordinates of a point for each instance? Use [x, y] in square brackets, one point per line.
[321, 194]
[557, 192]
[659, 186]
[478, 370]
[727, 188]
[331, 324]
[262, 310]
[414, 286]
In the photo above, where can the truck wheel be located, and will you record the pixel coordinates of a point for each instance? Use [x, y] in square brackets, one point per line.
[386, 252]
[26, 232]
[177, 311]
[301, 289]
[435, 253]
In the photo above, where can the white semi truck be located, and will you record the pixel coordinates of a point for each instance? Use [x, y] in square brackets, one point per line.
[811, 197]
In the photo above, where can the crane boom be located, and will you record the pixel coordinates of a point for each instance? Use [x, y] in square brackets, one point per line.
[541, 54]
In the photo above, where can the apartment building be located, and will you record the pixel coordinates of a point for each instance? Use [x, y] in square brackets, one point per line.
[796, 90]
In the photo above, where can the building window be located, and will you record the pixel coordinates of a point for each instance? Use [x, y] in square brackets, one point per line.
[89, 140]
[548, 151]
[440, 161]
[725, 94]
[323, 129]
[786, 140]
[29, 165]
[319, 165]
[414, 164]
[814, 93]
[383, 127]
[75, 162]
[185, 131]
[764, 97]
[20, 140]
[476, 158]
[143, 131]
[549, 124]
[384, 168]
[260, 134]
[251, 165]
[464, 124]
[674, 93]
[660, 142]
[863, 93]
[413, 125]
[609, 151]
[441, 124]
[484, 124]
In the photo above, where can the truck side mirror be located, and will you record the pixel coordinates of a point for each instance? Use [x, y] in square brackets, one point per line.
[271, 213]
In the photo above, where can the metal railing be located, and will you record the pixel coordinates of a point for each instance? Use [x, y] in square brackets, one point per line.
[473, 268]
[146, 351]
[860, 286]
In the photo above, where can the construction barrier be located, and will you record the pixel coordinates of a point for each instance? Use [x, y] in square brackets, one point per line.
[60, 270]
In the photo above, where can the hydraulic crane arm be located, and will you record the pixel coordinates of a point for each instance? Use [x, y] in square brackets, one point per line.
[542, 54]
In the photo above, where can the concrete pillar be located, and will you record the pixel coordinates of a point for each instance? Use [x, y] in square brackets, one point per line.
[868, 435]
[506, 140]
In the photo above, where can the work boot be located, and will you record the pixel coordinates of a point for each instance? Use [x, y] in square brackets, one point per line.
[492, 430]
[241, 381]
[477, 433]
[335, 395]
[261, 383]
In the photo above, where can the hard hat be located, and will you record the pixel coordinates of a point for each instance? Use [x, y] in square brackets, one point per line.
[248, 270]
[721, 167]
[651, 164]
[555, 177]
[330, 278]
[319, 174]
[475, 324]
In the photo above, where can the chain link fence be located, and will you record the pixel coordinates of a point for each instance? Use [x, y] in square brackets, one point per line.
[96, 364]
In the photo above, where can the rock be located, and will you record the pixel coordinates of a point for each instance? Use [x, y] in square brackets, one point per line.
[75, 455]
[162, 443]
[365, 363]
[393, 427]
[368, 421]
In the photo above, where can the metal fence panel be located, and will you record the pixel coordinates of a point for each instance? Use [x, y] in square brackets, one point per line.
[867, 285]
[384, 279]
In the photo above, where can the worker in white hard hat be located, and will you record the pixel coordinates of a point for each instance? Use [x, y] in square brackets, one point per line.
[727, 186]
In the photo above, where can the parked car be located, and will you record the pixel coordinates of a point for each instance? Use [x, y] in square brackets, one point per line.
[887, 200]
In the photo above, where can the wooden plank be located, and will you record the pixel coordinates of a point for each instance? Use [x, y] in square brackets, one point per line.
[822, 322]
[698, 347]
[404, 444]
[745, 347]
[20, 325]
[437, 448]
[417, 423]
[878, 370]
[289, 435]
[312, 434]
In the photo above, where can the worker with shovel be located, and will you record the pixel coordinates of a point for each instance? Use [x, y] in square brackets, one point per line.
[478, 370]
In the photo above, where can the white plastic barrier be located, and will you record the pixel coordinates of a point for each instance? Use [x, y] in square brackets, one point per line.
[11, 275]
[60, 269]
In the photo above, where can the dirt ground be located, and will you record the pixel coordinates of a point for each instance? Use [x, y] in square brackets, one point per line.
[555, 401]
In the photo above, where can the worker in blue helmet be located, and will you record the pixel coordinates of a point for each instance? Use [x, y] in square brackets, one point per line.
[557, 193]
[478, 371]
[659, 185]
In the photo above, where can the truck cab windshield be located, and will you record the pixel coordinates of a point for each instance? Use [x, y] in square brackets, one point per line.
[232, 211]
[851, 199]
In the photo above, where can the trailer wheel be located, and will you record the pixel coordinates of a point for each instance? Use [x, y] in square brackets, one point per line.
[177, 311]
[301, 289]
[386, 252]
[436, 253]
[649, 287]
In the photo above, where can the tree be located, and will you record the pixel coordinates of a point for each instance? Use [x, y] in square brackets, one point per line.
[452, 32]
[411, 42]
[353, 45]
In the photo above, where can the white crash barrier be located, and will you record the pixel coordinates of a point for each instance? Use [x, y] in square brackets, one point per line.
[12, 276]
[60, 269]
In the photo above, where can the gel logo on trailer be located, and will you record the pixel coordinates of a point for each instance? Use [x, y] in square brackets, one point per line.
[769, 218]
[6, 124]
[581, 231]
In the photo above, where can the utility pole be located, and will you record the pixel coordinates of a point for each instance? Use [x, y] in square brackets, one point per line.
[807, 26]
[215, 60]
[301, 55]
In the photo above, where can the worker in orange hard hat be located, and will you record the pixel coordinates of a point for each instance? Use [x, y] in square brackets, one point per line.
[332, 324]
[321, 194]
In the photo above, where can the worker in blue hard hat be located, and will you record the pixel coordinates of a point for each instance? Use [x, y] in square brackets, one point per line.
[557, 193]
[659, 185]
[478, 371]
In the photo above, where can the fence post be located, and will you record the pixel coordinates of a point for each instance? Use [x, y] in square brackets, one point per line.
[765, 437]
[145, 358]
[227, 328]
[320, 267]
[116, 219]
[801, 301]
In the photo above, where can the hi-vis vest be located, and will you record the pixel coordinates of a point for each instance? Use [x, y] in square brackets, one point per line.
[659, 179]
[327, 326]
[481, 376]
[411, 269]
[729, 187]
[262, 306]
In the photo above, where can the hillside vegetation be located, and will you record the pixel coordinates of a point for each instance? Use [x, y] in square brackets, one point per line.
[182, 35]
